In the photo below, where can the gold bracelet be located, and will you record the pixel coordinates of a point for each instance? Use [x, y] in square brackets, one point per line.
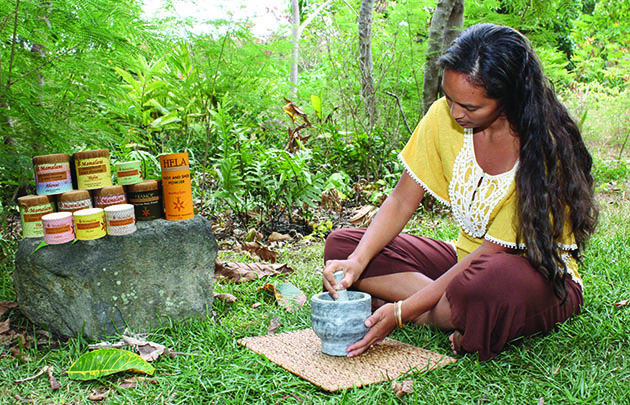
[398, 314]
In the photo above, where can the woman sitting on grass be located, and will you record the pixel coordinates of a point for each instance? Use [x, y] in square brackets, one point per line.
[504, 154]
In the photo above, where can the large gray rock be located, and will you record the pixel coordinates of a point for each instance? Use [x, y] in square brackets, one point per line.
[163, 271]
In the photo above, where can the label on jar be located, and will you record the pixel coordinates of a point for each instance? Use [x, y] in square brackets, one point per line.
[178, 204]
[89, 223]
[71, 206]
[102, 201]
[58, 228]
[147, 205]
[53, 178]
[31, 218]
[128, 172]
[93, 173]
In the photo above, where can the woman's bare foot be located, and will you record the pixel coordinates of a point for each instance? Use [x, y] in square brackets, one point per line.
[456, 342]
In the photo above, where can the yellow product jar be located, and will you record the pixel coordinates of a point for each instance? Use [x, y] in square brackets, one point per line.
[92, 169]
[89, 223]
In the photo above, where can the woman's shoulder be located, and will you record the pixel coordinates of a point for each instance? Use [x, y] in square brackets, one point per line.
[439, 109]
[439, 122]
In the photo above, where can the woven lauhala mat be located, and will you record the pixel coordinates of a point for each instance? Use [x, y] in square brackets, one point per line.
[300, 353]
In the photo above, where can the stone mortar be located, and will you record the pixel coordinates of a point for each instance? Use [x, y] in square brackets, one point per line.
[339, 324]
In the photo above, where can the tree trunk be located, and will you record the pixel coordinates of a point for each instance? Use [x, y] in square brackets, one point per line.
[446, 24]
[455, 23]
[365, 59]
[295, 35]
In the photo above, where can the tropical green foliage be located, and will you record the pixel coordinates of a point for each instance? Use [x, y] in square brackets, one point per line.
[602, 44]
[93, 74]
[56, 76]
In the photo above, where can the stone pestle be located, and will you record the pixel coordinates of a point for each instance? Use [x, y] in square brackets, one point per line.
[342, 294]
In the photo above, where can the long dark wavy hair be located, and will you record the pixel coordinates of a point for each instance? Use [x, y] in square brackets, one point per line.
[554, 184]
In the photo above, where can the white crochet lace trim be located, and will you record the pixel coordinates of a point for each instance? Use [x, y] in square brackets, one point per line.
[473, 193]
[566, 258]
[562, 246]
[503, 243]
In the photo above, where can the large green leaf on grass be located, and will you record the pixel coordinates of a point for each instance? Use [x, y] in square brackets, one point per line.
[287, 295]
[105, 362]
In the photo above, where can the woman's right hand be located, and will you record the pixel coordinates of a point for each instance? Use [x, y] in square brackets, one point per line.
[352, 270]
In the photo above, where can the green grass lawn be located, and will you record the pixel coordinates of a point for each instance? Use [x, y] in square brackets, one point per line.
[587, 360]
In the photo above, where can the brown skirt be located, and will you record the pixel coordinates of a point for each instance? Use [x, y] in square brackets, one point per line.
[497, 299]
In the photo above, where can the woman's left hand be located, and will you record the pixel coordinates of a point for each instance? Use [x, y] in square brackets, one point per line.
[381, 323]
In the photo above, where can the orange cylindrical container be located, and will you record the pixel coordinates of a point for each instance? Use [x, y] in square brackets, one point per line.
[176, 186]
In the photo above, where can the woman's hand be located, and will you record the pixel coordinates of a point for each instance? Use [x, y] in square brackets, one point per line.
[351, 268]
[381, 324]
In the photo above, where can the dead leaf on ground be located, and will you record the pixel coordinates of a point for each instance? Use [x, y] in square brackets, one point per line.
[4, 326]
[263, 252]
[19, 343]
[243, 272]
[149, 351]
[45, 334]
[401, 389]
[287, 295]
[541, 401]
[98, 395]
[256, 305]
[274, 324]
[54, 385]
[134, 381]
[28, 400]
[6, 306]
[623, 303]
[363, 215]
[127, 384]
[278, 237]
[51, 378]
[297, 398]
[225, 297]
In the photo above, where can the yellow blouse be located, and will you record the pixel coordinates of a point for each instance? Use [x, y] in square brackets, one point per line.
[440, 156]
